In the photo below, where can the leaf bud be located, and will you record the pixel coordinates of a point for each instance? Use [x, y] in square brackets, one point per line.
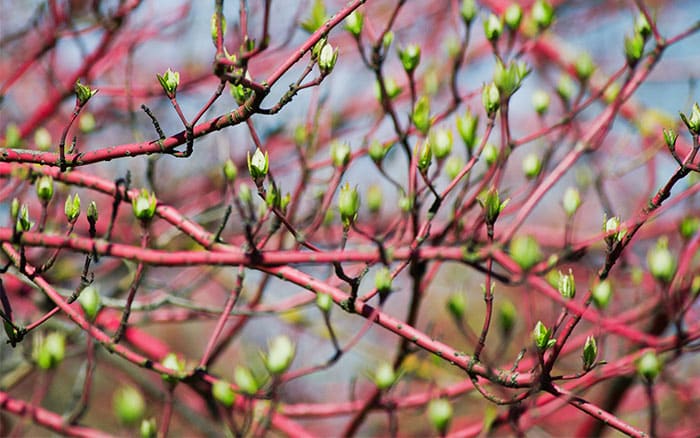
[513, 16]
[440, 414]
[456, 305]
[649, 366]
[327, 59]
[83, 93]
[258, 166]
[421, 115]
[601, 294]
[493, 27]
[410, 57]
[532, 166]
[72, 208]
[348, 204]
[128, 404]
[374, 198]
[280, 354]
[340, 154]
[571, 201]
[354, 23]
[44, 188]
[590, 353]
[525, 251]
[540, 102]
[90, 301]
[467, 126]
[542, 14]
[144, 205]
[384, 375]
[245, 380]
[491, 98]
[222, 392]
[662, 264]
[567, 285]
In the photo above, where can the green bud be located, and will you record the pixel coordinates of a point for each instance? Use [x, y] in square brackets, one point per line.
[44, 188]
[493, 27]
[23, 223]
[507, 315]
[590, 353]
[86, 122]
[42, 139]
[642, 26]
[384, 376]
[258, 166]
[491, 203]
[634, 48]
[83, 93]
[340, 154]
[374, 198]
[391, 87]
[382, 281]
[72, 208]
[49, 351]
[128, 405]
[571, 201]
[316, 18]
[611, 92]
[532, 166]
[244, 194]
[453, 166]
[12, 136]
[440, 414]
[456, 305]
[354, 23]
[542, 14]
[649, 366]
[566, 87]
[692, 121]
[421, 115]
[222, 392]
[245, 380]
[14, 209]
[327, 59]
[376, 151]
[467, 126]
[689, 226]
[324, 302]
[144, 205]
[540, 102]
[543, 337]
[387, 39]
[90, 301]
[92, 212]
[670, 137]
[405, 203]
[172, 362]
[230, 171]
[240, 92]
[316, 50]
[468, 11]
[525, 251]
[662, 264]
[695, 286]
[280, 354]
[584, 66]
[169, 81]
[612, 229]
[425, 156]
[567, 285]
[491, 99]
[348, 204]
[490, 154]
[410, 57]
[148, 428]
[513, 16]
[601, 294]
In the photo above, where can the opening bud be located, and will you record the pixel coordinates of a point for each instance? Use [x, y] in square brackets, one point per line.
[222, 392]
[169, 81]
[543, 337]
[354, 23]
[348, 204]
[410, 57]
[590, 353]
[144, 205]
[44, 188]
[493, 27]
